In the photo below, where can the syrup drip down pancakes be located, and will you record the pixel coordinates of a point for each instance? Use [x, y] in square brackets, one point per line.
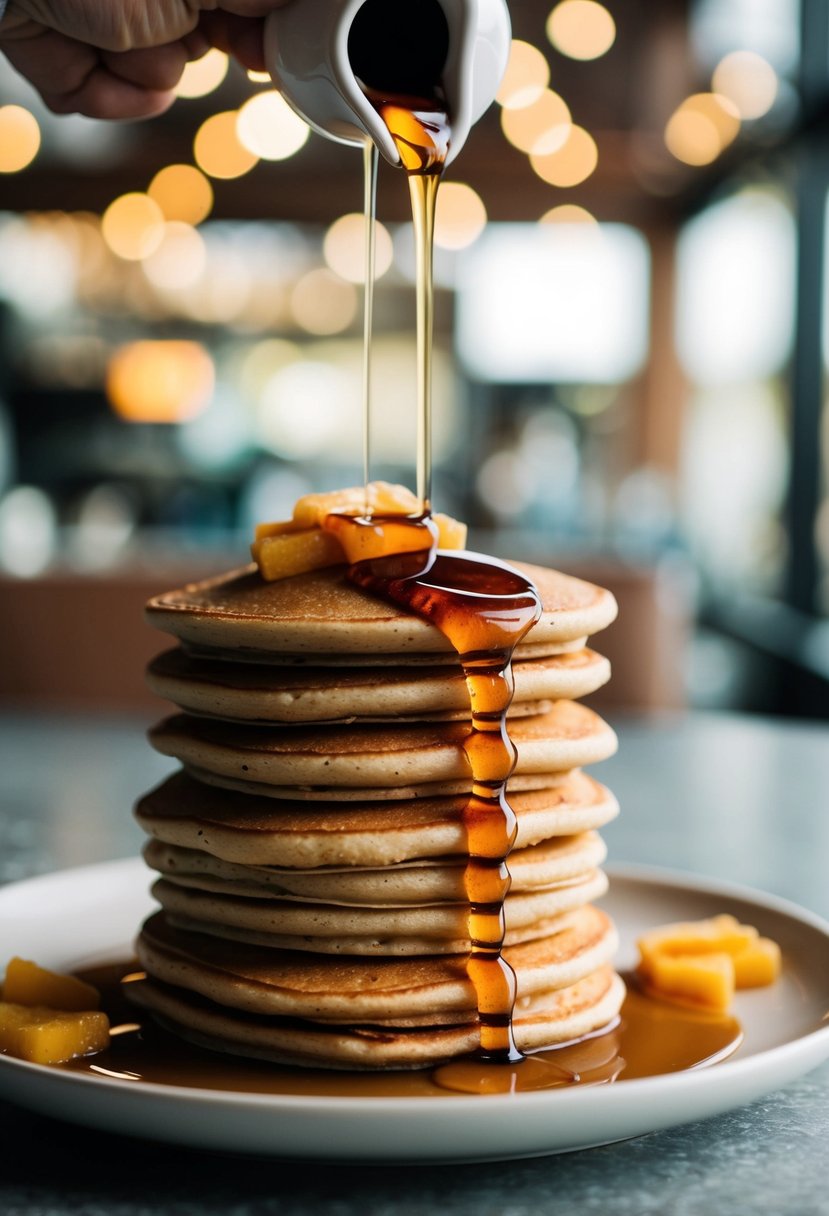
[311, 849]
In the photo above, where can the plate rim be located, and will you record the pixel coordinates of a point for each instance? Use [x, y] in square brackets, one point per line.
[813, 1044]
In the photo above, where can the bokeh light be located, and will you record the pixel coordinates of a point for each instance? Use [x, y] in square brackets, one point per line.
[28, 531]
[526, 77]
[183, 193]
[160, 381]
[268, 127]
[203, 75]
[581, 29]
[344, 248]
[218, 150]
[701, 128]
[133, 226]
[748, 80]
[540, 127]
[568, 213]
[302, 408]
[179, 260]
[570, 164]
[460, 216]
[19, 138]
[323, 303]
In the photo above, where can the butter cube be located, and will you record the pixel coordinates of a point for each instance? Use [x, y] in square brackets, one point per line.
[28, 984]
[380, 497]
[702, 962]
[758, 964]
[696, 979]
[716, 934]
[285, 554]
[50, 1036]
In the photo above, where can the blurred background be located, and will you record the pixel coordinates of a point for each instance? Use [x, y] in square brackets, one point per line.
[631, 347]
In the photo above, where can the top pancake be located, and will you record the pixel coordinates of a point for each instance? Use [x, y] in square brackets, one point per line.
[323, 614]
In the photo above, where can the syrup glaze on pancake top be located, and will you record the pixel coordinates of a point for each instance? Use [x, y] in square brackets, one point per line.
[275, 848]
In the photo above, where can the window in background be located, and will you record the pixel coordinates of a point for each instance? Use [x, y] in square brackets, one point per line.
[563, 304]
[822, 521]
[552, 329]
[736, 273]
[770, 28]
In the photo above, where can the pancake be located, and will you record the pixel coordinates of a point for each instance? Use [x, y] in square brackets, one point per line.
[376, 761]
[567, 1014]
[440, 880]
[313, 854]
[258, 831]
[290, 983]
[338, 929]
[315, 694]
[322, 613]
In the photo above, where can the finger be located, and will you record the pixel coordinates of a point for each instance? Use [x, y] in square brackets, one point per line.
[104, 95]
[196, 44]
[158, 69]
[241, 37]
[71, 78]
[245, 8]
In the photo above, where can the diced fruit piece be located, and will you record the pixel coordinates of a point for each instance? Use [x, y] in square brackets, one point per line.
[719, 933]
[50, 1036]
[702, 962]
[451, 532]
[296, 553]
[758, 964]
[305, 543]
[364, 541]
[380, 497]
[28, 984]
[696, 979]
[276, 529]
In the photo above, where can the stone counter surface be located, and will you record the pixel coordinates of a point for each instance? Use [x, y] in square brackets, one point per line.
[736, 798]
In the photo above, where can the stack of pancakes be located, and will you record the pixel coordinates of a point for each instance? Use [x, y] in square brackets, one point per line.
[311, 851]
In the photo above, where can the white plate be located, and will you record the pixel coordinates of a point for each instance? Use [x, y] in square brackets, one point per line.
[80, 916]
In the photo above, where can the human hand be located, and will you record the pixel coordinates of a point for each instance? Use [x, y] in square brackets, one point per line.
[121, 59]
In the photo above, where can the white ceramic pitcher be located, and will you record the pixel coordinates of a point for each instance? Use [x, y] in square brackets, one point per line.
[306, 49]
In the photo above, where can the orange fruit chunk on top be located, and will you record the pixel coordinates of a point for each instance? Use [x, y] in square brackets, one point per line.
[702, 962]
[28, 984]
[302, 544]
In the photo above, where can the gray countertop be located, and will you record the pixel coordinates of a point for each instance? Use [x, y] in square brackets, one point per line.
[743, 799]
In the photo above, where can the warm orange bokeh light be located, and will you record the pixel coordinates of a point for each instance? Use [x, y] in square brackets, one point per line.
[183, 193]
[749, 81]
[570, 164]
[540, 127]
[202, 76]
[526, 77]
[218, 150]
[133, 226]
[268, 127]
[344, 248]
[581, 29]
[701, 128]
[19, 138]
[152, 381]
[460, 216]
[322, 303]
[180, 259]
[568, 213]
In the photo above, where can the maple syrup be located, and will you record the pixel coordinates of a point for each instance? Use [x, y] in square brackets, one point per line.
[370, 162]
[484, 607]
[651, 1038]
